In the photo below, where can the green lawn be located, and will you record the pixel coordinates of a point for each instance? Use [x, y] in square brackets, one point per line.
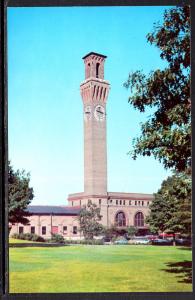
[109, 268]
[17, 241]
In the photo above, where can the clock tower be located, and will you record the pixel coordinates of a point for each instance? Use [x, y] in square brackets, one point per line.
[94, 93]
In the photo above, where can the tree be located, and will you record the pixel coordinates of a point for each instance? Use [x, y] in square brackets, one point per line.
[131, 231]
[167, 133]
[170, 210]
[89, 218]
[19, 196]
[113, 231]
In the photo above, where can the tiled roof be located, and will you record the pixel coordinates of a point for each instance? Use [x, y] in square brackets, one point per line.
[56, 210]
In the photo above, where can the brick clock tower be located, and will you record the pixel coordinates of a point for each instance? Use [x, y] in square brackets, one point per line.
[94, 92]
[116, 207]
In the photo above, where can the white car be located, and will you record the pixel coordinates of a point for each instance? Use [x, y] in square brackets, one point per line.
[139, 241]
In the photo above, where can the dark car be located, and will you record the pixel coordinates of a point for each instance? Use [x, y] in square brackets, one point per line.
[106, 239]
[161, 242]
[183, 242]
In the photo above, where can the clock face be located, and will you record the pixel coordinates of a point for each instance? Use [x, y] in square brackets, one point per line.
[99, 113]
[87, 113]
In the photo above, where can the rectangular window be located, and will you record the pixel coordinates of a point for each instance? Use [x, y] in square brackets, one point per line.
[138, 202]
[130, 202]
[120, 202]
[116, 202]
[100, 201]
[123, 202]
[32, 230]
[64, 229]
[135, 202]
[74, 229]
[142, 203]
[21, 229]
[43, 230]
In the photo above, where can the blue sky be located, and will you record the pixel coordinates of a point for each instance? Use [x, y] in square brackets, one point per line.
[45, 69]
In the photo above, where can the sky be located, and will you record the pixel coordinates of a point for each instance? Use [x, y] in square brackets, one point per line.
[45, 110]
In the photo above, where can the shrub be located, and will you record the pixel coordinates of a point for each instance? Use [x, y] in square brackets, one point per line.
[27, 236]
[131, 231]
[57, 238]
[15, 236]
[114, 238]
[37, 238]
[73, 242]
[98, 242]
[22, 236]
[92, 242]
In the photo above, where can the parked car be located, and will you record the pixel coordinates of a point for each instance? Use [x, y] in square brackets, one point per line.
[139, 240]
[106, 240]
[121, 242]
[183, 242]
[161, 242]
[151, 237]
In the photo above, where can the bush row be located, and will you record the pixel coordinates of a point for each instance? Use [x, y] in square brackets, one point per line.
[59, 239]
[28, 236]
[56, 238]
[85, 242]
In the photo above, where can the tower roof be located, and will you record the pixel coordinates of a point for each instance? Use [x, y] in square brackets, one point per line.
[94, 53]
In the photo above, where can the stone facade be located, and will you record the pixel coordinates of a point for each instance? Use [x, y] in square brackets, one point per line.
[121, 209]
[112, 203]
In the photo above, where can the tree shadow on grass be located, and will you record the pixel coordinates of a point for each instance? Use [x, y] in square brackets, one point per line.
[184, 268]
[186, 248]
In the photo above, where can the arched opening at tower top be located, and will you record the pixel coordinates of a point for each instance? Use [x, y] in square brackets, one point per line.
[97, 70]
[88, 70]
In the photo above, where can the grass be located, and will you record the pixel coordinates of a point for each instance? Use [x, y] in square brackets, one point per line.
[113, 268]
[17, 241]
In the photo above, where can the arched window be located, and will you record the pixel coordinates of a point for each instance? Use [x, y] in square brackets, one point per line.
[88, 70]
[139, 219]
[97, 70]
[120, 219]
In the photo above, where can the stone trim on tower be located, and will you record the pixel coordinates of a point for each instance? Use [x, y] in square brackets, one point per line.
[94, 90]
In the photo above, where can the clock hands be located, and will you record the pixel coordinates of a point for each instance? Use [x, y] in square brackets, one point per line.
[99, 111]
